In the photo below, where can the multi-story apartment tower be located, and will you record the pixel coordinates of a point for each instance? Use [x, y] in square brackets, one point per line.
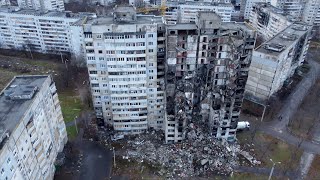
[207, 68]
[292, 7]
[32, 130]
[275, 61]
[50, 32]
[125, 54]
[247, 5]
[186, 12]
[42, 5]
[268, 20]
[311, 12]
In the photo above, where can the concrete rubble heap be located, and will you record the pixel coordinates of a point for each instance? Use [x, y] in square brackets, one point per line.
[199, 155]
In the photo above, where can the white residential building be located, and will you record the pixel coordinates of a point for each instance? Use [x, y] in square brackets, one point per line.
[125, 55]
[32, 130]
[186, 12]
[50, 32]
[43, 5]
[276, 60]
[311, 13]
[247, 5]
[268, 20]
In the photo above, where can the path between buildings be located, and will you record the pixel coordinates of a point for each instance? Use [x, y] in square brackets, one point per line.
[278, 129]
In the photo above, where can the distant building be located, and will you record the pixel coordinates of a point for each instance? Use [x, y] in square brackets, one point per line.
[276, 60]
[247, 5]
[32, 130]
[50, 32]
[268, 20]
[186, 12]
[311, 12]
[43, 5]
[302, 10]
[125, 55]
[206, 71]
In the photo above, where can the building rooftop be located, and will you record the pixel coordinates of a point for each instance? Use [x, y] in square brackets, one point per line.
[64, 14]
[141, 19]
[182, 26]
[284, 39]
[15, 100]
[197, 3]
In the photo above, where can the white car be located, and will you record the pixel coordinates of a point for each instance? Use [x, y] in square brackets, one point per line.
[117, 137]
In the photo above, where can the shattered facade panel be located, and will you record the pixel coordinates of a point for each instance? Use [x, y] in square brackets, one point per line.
[208, 80]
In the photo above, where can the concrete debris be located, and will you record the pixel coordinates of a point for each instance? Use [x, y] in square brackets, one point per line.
[201, 154]
[250, 158]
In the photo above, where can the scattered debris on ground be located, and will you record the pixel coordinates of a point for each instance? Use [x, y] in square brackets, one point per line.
[199, 155]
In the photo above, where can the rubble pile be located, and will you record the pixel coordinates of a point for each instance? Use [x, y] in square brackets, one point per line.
[199, 155]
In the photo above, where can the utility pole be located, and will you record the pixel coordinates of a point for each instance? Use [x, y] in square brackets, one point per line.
[75, 123]
[264, 108]
[272, 169]
[114, 157]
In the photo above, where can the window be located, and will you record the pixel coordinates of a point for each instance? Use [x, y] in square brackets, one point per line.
[150, 50]
[92, 72]
[150, 64]
[100, 51]
[101, 58]
[99, 36]
[150, 35]
[150, 43]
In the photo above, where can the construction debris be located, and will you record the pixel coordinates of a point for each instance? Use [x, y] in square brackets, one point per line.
[200, 154]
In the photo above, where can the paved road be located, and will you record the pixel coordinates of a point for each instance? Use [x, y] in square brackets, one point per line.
[261, 170]
[96, 163]
[278, 128]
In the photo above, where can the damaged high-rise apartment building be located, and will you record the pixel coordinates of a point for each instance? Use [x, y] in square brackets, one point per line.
[145, 74]
[207, 68]
[125, 58]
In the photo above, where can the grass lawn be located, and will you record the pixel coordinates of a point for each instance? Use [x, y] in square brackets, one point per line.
[71, 105]
[314, 172]
[72, 132]
[5, 77]
[302, 123]
[248, 176]
[266, 147]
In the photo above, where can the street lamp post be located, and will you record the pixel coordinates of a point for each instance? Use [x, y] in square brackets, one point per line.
[272, 169]
[114, 157]
[264, 108]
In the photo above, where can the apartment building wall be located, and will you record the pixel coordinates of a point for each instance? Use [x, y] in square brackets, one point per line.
[247, 5]
[268, 20]
[207, 67]
[293, 7]
[51, 32]
[32, 131]
[187, 12]
[43, 5]
[122, 57]
[311, 12]
[276, 60]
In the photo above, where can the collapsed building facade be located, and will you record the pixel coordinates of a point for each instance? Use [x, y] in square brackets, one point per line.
[206, 71]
